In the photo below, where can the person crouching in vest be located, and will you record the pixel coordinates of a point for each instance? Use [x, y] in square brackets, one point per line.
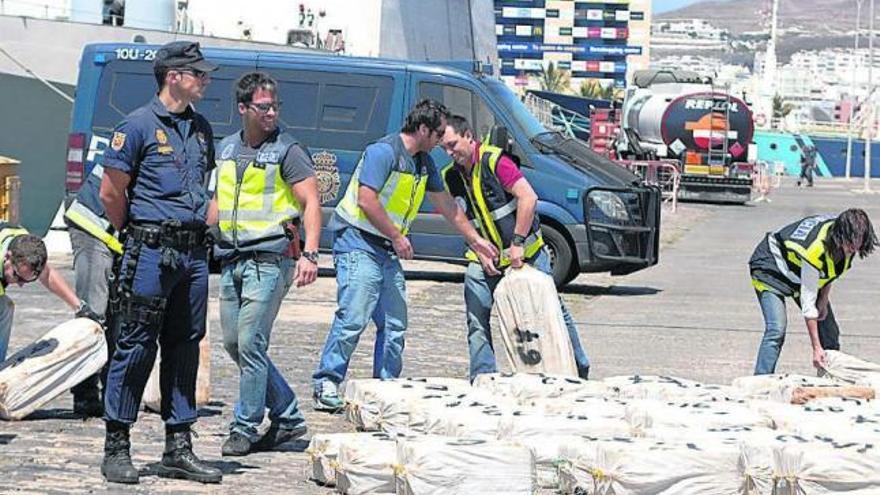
[24, 261]
[265, 181]
[501, 205]
[371, 224]
[95, 246]
[800, 261]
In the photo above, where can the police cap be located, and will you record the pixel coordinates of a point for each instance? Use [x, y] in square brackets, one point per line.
[182, 55]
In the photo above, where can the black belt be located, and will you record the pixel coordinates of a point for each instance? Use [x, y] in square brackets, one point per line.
[258, 256]
[170, 234]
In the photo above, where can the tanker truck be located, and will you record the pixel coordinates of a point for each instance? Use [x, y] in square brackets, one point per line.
[679, 116]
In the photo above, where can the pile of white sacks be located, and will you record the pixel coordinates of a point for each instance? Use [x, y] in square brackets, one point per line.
[525, 433]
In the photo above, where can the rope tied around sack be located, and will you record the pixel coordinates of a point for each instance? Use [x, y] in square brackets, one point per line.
[399, 470]
[598, 474]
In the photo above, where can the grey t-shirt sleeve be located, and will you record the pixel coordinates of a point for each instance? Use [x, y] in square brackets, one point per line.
[297, 165]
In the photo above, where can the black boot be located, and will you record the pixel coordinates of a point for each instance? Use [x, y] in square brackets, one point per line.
[180, 462]
[117, 467]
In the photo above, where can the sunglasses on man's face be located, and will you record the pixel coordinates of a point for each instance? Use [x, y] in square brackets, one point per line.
[21, 279]
[265, 107]
[195, 73]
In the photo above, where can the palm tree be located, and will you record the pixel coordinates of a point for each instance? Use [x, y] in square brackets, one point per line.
[554, 80]
[781, 109]
[592, 88]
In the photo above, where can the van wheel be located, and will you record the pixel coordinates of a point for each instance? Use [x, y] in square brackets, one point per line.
[560, 255]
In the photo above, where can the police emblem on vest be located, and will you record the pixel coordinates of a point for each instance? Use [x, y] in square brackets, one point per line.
[776, 262]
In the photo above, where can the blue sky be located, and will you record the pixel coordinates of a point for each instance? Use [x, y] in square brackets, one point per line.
[661, 6]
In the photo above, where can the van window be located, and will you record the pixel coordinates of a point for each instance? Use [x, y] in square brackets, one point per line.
[332, 110]
[462, 102]
[127, 84]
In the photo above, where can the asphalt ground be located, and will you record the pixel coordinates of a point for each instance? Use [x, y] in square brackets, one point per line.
[694, 315]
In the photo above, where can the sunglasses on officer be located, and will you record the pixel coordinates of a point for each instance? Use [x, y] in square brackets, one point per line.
[201, 75]
[265, 107]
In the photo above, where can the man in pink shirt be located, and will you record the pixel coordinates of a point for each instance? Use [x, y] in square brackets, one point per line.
[501, 204]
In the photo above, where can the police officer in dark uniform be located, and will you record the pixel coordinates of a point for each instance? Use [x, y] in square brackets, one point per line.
[154, 187]
[800, 261]
[95, 247]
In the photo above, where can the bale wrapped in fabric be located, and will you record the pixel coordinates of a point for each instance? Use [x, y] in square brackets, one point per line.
[526, 388]
[60, 359]
[323, 451]
[366, 465]
[152, 400]
[372, 404]
[532, 326]
[779, 387]
[845, 368]
[438, 465]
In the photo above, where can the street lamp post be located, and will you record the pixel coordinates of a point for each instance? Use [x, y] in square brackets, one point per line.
[852, 95]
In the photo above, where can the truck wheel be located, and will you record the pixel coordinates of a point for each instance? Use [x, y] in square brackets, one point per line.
[560, 255]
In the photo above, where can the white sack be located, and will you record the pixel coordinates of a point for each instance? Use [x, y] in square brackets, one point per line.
[442, 466]
[777, 387]
[520, 426]
[365, 465]
[531, 323]
[849, 369]
[646, 414]
[528, 387]
[668, 388]
[60, 359]
[821, 468]
[362, 407]
[323, 452]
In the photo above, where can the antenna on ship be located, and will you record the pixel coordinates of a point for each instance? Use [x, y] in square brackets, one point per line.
[852, 97]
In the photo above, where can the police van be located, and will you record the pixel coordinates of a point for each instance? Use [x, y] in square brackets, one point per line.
[596, 216]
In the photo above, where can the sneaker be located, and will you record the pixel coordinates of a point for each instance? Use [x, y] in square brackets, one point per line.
[278, 435]
[327, 398]
[236, 445]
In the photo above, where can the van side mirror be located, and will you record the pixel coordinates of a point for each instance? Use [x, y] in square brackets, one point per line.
[498, 137]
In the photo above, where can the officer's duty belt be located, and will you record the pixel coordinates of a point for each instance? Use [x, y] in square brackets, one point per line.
[169, 234]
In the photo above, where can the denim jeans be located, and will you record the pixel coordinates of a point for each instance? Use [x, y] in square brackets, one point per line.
[775, 321]
[7, 312]
[479, 291]
[368, 286]
[92, 266]
[250, 296]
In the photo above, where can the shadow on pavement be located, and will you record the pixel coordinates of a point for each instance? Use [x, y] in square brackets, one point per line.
[56, 413]
[614, 290]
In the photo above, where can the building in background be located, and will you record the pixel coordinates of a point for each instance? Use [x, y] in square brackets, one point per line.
[639, 35]
[587, 40]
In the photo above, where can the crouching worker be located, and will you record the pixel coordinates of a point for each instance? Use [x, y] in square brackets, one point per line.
[502, 204]
[25, 261]
[800, 261]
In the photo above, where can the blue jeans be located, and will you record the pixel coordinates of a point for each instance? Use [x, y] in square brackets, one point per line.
[368, 286]
[775, 321]
[250, 296]
[7, 312]
[479, 291]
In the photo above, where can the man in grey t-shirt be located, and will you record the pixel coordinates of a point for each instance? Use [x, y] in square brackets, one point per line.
[265, 186]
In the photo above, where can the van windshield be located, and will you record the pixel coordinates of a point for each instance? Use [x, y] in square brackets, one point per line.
[515, 108]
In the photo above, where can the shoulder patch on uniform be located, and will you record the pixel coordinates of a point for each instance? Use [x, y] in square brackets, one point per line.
[118, 141]
[161, 137]
[226, 154]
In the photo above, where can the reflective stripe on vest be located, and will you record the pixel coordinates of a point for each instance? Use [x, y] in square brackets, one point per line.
[790, 255]
[7, 234]
[496, 222]
[97, 226]
[400, 197]
[88, 220]
[257, 206]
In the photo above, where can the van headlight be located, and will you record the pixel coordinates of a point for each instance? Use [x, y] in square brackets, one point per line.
[610, 204]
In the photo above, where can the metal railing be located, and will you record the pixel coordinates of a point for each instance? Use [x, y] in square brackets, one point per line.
[665, 175]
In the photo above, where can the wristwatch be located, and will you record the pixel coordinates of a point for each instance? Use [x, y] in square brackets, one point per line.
[311, 256]
[518, 240]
